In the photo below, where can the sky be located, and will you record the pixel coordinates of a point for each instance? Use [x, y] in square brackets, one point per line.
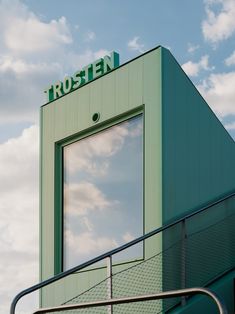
[103, 177]
[42, 42]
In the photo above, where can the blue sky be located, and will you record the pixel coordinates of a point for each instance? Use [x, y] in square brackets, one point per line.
[42, 41]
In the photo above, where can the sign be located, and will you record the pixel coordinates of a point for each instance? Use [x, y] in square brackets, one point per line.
[81, 77]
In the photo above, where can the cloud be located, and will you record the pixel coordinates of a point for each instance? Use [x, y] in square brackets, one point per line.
[21, 88]
[19, 215]
[90, 36]
[230, 60]
[79, 198]
[85, 221]
[93, 154]
[18, 159]
[135, 45]
[87, 243]
[136, 131]
[28, 47]
[127, 237]
[220, 26]
[193, 68]
[33, 54]
[29, 78]
[85, 154]
[218, 90]
[230, 126]
[18, 22]
[38, 36]
[192, 48]
[77, 61]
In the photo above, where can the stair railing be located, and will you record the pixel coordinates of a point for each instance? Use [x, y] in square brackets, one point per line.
[108, 255]
[157, 296]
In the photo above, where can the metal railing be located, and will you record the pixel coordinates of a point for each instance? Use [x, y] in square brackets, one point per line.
[108, 256]
[157, 296]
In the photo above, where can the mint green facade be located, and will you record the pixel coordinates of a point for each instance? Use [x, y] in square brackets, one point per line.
[188, 155]
[120, 94]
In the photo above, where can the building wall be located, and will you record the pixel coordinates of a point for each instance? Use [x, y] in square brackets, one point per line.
[188, 158]
[198, 169]
[132, 88]
[198, 153]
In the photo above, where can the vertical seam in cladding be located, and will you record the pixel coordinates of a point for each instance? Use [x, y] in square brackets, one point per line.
[162, 155]
[162, 133]
[143, 173]
[128, 84]
[143, 161]
[142, 80]
[40, 202]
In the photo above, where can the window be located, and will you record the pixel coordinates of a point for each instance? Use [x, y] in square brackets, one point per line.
[103, 191]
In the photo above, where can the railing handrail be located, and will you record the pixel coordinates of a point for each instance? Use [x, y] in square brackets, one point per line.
[111, 252]
[161, 295]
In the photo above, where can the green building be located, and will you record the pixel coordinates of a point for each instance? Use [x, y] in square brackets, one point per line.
[126, 150]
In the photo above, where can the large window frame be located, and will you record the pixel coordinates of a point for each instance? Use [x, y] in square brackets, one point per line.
[59, 182]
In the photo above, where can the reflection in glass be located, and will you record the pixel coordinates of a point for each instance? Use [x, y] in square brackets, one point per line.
[103, 192]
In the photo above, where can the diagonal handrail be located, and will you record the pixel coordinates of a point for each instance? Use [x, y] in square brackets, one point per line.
[157, 296]
[111, 252]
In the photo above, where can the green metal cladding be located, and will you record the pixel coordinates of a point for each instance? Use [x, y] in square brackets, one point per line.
[188, 155]
[198, 153]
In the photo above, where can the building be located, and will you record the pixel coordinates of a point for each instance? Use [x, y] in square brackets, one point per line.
[126, 150]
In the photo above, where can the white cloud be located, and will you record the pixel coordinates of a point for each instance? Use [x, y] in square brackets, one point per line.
[19, 215]
[29, 78]
[18, 159]
[83, 154]
[79, 198]
[28, 50]
[218, 27]
[33, 54]
[88, 243]
[135, 45]
[21, 88]
[19, 67]
[137, 131]
[193, 68]
[87, 223]
[127, 237]
[78, 61]
[90, 36]
[218, 90]
[230, 60]
[192, 48]
[100, 53]
[23, 32]
[230, 126]
[38, 36]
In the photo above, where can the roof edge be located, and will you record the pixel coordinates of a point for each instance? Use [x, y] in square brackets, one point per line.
[129, 61]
